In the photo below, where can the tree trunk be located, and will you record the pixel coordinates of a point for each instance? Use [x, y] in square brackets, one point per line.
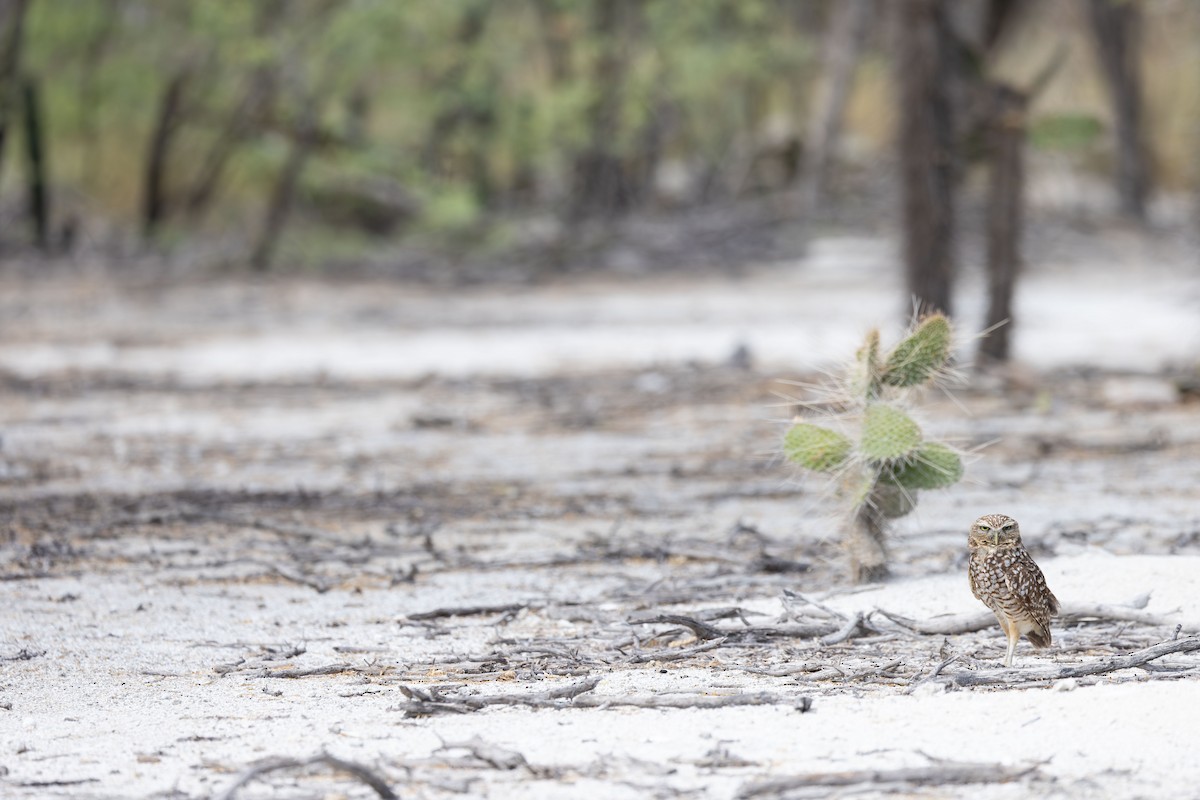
[866, 547]
[470, 28]
[599, 181]
[1006, 182]
[843, 47]
[1115, 29]
[12, 19]
[154, 198]
[89, 94]
[255, 104]
[927, 153]
[241, 123]
[35, 153]
[282, 197]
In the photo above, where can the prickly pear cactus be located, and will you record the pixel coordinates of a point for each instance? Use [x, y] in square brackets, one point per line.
[888, 461]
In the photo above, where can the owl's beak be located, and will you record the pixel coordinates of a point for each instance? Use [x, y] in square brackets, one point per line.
[995, 538]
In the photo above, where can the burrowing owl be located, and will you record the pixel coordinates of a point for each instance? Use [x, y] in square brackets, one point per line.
[1004, 576]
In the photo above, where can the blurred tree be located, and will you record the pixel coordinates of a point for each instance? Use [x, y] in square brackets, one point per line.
[169, 120]
[1006, 136]
[96, 47]
[925, 65]
[996, 114]
[600, 184]
[35, 157]
[848, 27]
[12, 21]
[279, 204]
[468, 106]
[249, 114]
[1116, 25]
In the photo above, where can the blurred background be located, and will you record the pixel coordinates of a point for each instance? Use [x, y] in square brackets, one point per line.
[399, 305]
[471, 140]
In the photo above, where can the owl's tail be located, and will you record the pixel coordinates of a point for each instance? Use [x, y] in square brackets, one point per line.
[1039, 635]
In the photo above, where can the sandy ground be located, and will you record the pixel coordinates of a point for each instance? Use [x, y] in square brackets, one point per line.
[256, 521]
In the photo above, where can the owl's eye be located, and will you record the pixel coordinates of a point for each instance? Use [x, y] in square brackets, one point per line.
[1008, 527]
[984, 528]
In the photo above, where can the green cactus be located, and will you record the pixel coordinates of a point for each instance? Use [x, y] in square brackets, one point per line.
[933, 466]
[816, 448]
[870, 372]
[888, 434]
[889, 461]
[921, 355]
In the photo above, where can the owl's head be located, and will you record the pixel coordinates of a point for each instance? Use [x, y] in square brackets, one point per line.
[994, 530]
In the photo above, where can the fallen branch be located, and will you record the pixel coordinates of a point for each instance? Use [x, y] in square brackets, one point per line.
[303, 532]
[311, 581]
[852, 629]
[425, 702]
[275, 764]
[702, 630]
[802, 703]
[677, 654]
[328, 669]
[758, 633]
[493, 755]
[942, 775]
[951, 624]
[1098, 667]
[24, 654]
[467, 611]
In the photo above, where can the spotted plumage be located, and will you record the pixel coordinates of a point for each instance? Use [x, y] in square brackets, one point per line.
[1006, 579]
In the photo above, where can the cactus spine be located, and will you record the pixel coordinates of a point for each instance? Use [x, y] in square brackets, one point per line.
[889, 461]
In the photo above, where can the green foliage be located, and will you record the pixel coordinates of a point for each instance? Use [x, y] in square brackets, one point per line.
[866, 381]
[932, 466]
[890, 461]
[890, 500]
[461, 100]
[1065, 132]
[920, 355]
[451, 210]
[816, 448]
[888, 434]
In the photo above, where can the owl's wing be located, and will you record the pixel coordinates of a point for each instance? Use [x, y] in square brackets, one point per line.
[1026, 581]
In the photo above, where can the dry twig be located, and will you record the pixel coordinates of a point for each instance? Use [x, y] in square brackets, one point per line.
[274, 764]
[328, 669]
[939, 775]
[467, 611]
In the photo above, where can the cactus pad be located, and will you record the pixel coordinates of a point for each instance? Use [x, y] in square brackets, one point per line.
[888, 434]
[816, 448]
[869, 370]
[932, 466]
[893, 501]
[921, 355]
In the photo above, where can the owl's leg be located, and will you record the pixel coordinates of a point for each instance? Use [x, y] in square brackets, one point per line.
[1014, 635]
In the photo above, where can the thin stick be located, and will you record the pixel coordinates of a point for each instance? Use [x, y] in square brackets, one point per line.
[272, 765]
[328, 669]
[852, 629]
[955, 774]
[467, 611]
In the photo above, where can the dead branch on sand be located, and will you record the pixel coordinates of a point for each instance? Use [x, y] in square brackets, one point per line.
[949, 625]
[358, 771]
[1099, 667]
[938, 775]
[424, 702]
